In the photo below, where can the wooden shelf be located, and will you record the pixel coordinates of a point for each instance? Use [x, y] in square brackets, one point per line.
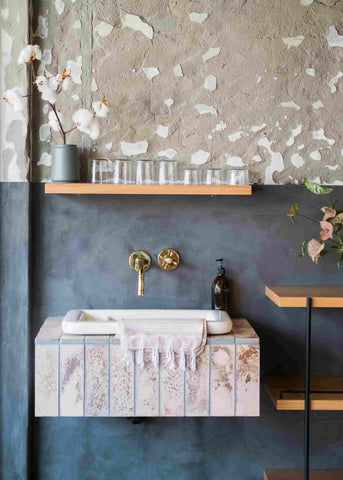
[111, 189]
[299, 475]
[295, 401]
[323, 297]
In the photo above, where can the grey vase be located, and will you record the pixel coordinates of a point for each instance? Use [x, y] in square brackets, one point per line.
[65, 166]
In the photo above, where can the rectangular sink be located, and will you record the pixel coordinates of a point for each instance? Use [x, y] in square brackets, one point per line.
[105, 322]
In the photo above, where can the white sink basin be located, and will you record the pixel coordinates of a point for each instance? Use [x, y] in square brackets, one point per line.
[105, 322]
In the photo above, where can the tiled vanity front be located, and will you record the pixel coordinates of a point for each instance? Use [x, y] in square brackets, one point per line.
[85, 376]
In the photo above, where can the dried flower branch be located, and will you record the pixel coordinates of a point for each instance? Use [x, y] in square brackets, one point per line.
[85, 121]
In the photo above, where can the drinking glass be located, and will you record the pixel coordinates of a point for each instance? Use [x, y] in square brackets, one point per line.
[145, 172]
[97, 170]
[192, 176]
[166, 172]
[214, 176]
[122, 172]
[237, 176]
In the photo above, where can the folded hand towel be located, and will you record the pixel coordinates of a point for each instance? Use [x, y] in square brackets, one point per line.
[186, 336]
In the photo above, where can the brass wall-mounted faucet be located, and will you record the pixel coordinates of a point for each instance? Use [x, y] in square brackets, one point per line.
[140, 262]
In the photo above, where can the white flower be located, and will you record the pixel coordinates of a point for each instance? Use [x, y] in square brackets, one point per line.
[100, 109]
[41, 82]
[93, 129]
[14, 96]
[82, 119]
[47, 88]
[86, 123]
[64, 79]
[66, 84]
[29, 54]
[49, 95]
[54, 83]
[53, 122]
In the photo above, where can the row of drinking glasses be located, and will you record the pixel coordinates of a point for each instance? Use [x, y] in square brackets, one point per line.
[163, 172]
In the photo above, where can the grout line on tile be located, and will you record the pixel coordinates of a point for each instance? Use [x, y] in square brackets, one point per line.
[84, 376]
[109, 376]
[210, 381]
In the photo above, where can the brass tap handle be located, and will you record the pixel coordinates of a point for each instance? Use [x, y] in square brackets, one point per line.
[168, 259]
[140, 262]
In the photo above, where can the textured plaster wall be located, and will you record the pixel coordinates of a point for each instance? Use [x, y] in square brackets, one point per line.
[14, 21]
[254, 83]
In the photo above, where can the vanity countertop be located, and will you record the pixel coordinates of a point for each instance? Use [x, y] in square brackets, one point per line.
[84, 375]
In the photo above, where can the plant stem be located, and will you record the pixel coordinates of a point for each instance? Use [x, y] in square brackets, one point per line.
[68, 131]
[308, 218]
[339, 238]
[334, 241]
[63, 133]
[328, 201]
[52, 106]
[33, 75]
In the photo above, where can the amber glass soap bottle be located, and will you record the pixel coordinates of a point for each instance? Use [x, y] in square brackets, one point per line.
[221, 290]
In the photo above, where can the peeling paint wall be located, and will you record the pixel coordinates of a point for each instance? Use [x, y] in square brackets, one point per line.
[254, 83]
[14, 163]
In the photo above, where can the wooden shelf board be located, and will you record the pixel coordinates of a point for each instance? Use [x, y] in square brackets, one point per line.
[295, 401]
[295, 296]
[111, 189]
[299, 474]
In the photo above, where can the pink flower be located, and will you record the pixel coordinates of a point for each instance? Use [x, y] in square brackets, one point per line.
[314, 249]
[327, 230]
[329, 213]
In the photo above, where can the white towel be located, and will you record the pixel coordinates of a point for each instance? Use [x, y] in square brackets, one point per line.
[185, 337]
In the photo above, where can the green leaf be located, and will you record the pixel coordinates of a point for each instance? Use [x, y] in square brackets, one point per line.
[315, 188]
[303, 246]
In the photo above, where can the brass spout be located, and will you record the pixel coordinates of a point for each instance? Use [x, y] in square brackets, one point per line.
[140, 262]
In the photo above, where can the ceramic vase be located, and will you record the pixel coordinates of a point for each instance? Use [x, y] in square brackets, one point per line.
[65, 166]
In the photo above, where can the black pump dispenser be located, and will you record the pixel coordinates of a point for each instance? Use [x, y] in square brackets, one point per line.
[221, 269]
[221, 290]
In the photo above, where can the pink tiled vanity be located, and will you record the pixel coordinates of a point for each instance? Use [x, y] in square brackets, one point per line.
[84, 375]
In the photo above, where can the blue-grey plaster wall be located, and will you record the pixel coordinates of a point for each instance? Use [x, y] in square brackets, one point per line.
[14, 330]
[81, 246]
